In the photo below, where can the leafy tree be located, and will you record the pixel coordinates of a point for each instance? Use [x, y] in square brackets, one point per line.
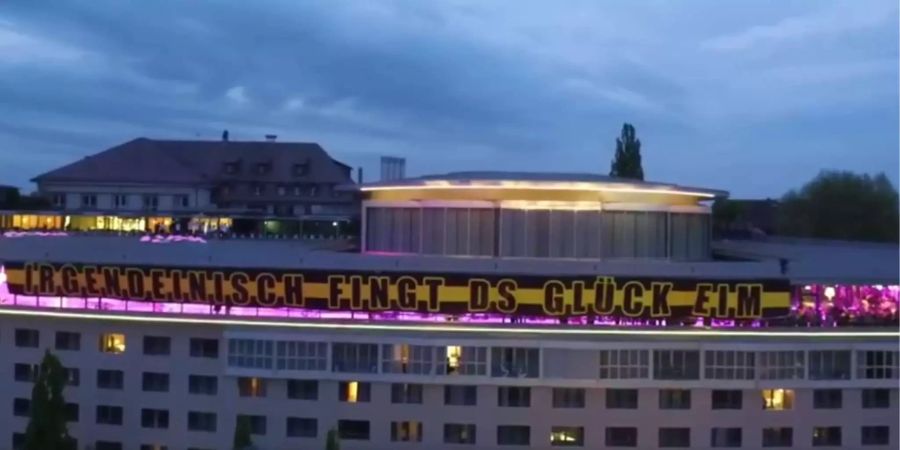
[47, 426]
[627, 162]
[842, 205]
[242, 440]
[331, 440]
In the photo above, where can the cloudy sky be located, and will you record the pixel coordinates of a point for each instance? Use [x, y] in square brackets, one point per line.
[753, 96]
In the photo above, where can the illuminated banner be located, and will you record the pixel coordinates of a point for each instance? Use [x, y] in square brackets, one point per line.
[523, 295]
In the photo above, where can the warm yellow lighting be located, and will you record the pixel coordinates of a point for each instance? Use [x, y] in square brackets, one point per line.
[778, 399]
[550, 205]
[112, 343]
[352, 391]
[521, 185]
[454, 353]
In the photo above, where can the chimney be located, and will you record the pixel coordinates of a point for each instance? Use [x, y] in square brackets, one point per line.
[392, 168]
[359, 178]
[271, 137]
[225, 136]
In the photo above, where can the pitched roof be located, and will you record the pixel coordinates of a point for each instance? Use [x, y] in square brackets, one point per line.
[154, 161]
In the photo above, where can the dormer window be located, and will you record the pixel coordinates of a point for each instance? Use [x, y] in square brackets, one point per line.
[231, 168]
[282, 190]
[301, 169]
[257, 189]
[262, 168]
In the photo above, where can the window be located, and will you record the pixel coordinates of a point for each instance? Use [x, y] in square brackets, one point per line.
[204, 348]
[303, 389]
[674, 437]
[459, 433]
[567, 436]
[826, 436]
[458, 395]
[621, 398]
[514, 396]
[354, 392]
[829, 364]
[88, 200]
[621, 437]
[112, 343]
[202, 421]
[154, 418]
[71, 412]
[257, 423]
[778, 437]
[155, 382]
[353, 430]
[729, 365]
[67, 340]
[250, 353]
[157, 345]
[875, 435]
[151, 202]
[110, 379]
[27, 337]
[513, 435]
[109, 415]
[877, 364]
[827, 398]
[778, 399]
[302, 427]
[203, 384]
[515, 362]
[725, 437]
[21, 407]
[120, 200]
[251, 387]
[300, 355]
[107, 445]
[727, 399]
[231, 168]
[459, 360]
[568, 398]
[876, 398]
[676, 364]
[300, 169]
[624, 364]
[674, 399]
[18, 441]
[182, 201]
[354, 358]
[59, 200]
[406, 393]
[26, 372]
[781, 365]
[404, 358]
[72, 375]
[406, 431]
[257, 189]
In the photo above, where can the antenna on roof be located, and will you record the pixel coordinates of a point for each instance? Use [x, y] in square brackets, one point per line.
[225, 136]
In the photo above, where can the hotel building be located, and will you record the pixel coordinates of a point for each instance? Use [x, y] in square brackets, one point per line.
[484, 310]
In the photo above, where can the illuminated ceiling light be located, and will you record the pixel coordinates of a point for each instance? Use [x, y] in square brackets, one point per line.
[543, 187]
[829, 292]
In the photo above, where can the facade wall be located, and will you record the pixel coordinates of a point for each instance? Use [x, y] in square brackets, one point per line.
[198, 197]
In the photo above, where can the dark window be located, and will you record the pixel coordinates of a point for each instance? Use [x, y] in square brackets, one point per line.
[355, 392]
[778, 437]
[459, 395]
[567, 436]
[513, 435]
[514, 396]
[18, 441]
[876, 398]
[674, 399]
[72, 412]
[302, 427]
[155, 418]
[725, 437]
[827, 398]
[727, 399]
[68, 340]
[459, 433]
[110, 379]
[568, 398]
[204, 348]
[203, 384]
[676, 364]
[829, 365]
[354, 357]
[251, 387]
[300, 169]
[157, 345]
[107, 445]
[674, 437]
[875, 435]
[303, 389]
[88, 200]
[353, 430]
[21, 407]
[515, 362]
[406, 393]
[201, 421]
[155, 382]
[26, 372]
[406, 431]
[826, 436]
[72, 375]
[257, 423]
[27, 337]
[621, 398]
[621, 437]
[109, 415]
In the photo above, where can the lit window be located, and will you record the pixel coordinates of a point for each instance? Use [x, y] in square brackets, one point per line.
[567, 436]
[112, 343]
[454, 352]
[251, 387]
[352, 391]
[778, 399]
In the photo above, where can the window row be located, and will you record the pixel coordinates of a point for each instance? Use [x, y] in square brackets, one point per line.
[115, 343]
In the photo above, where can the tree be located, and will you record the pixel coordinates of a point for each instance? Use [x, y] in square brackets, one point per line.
[47, 427]
[842, 205]
[331, 440]
[627, 162]
[242, 440]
